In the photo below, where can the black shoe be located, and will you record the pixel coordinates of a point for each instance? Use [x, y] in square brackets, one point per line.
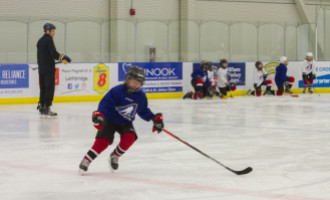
[48, 112]
[113, 161]
[41, 108]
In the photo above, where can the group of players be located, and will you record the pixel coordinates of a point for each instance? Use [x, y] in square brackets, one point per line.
[206, 85]
[118, 108]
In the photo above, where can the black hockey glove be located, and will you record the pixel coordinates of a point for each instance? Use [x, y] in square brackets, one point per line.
[98, 118]
[158, 123]
[65, 59]
[255, 86]
[228, 77]
[265, 76]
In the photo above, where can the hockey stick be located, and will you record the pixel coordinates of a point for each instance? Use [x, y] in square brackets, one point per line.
[231, 94]
[315, 91]
[245, 171]
[294, 95]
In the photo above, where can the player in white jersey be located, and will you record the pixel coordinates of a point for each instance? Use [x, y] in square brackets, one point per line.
[260, 79]
[224, 83]
[308, 72]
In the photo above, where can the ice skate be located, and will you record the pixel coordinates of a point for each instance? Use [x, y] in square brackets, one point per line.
[41, 108]
[83, 167]
[248, 93]
[48, 112]
[113, 161]
[310, 91]
[288, 91]
[223, 97]
[304, 90]
[188, 95]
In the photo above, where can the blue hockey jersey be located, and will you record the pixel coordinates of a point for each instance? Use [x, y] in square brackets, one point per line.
[200, 73]
[120, 107]
[280, 76]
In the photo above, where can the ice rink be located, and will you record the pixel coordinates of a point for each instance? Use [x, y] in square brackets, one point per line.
[286, 140]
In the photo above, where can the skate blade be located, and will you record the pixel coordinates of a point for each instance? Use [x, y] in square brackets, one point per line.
[82, 172]
[47, 116]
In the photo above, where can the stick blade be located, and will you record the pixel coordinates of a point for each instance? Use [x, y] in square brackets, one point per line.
[245, 171]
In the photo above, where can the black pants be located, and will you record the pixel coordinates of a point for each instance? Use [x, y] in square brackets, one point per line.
[308, 77]
[206, 90]
[258, 88]
[224, 90]
[109, 128]
[286, 85]
[47, 88]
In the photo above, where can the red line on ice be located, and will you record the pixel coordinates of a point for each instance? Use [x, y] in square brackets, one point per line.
[164, 183]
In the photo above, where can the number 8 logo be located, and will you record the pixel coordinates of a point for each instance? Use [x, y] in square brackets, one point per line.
[102, 79]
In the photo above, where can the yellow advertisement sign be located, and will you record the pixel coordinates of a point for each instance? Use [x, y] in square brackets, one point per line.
[101, 78]
[271, 67]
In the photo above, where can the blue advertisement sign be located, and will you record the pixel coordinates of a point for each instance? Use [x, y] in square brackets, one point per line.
[14, 76]
[235, 69]
[154, 71]
[160, 77]
[162, 89]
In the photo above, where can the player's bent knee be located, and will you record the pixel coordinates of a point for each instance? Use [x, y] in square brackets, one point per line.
[100, 144]
[269, 82]
[291, 79]
[127, 140]
[305, 82]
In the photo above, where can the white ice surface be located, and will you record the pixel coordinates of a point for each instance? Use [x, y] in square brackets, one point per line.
[286, 141]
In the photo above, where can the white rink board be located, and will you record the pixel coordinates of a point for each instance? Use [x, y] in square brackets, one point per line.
[84, 82]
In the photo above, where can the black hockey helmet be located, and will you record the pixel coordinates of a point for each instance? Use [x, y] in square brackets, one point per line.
[223, 61]
[136, 73]
[206, 65]
[49, 26]
[257, 64]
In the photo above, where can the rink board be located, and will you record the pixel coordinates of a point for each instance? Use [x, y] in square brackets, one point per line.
[19, 83]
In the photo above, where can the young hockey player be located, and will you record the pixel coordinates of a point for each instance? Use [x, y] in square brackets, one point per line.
[281, 79]
[308, 72]
[260, 79]
[224, 83]
[116, 113]
[200, 80]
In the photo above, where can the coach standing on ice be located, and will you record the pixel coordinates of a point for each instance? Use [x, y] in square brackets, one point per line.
[46, 56]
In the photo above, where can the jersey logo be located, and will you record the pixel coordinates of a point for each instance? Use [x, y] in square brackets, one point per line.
[310, 66]
[127, 111]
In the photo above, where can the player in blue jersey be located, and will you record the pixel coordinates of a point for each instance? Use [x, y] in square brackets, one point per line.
[281, 79]
[201, 82]
[116, 113]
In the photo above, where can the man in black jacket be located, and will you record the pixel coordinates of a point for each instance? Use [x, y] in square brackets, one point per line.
[46, 56]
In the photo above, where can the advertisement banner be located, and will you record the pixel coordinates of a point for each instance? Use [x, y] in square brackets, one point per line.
[237, 73]
[14, 76]
[160, 77]
[235, 69]
[83, 79]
